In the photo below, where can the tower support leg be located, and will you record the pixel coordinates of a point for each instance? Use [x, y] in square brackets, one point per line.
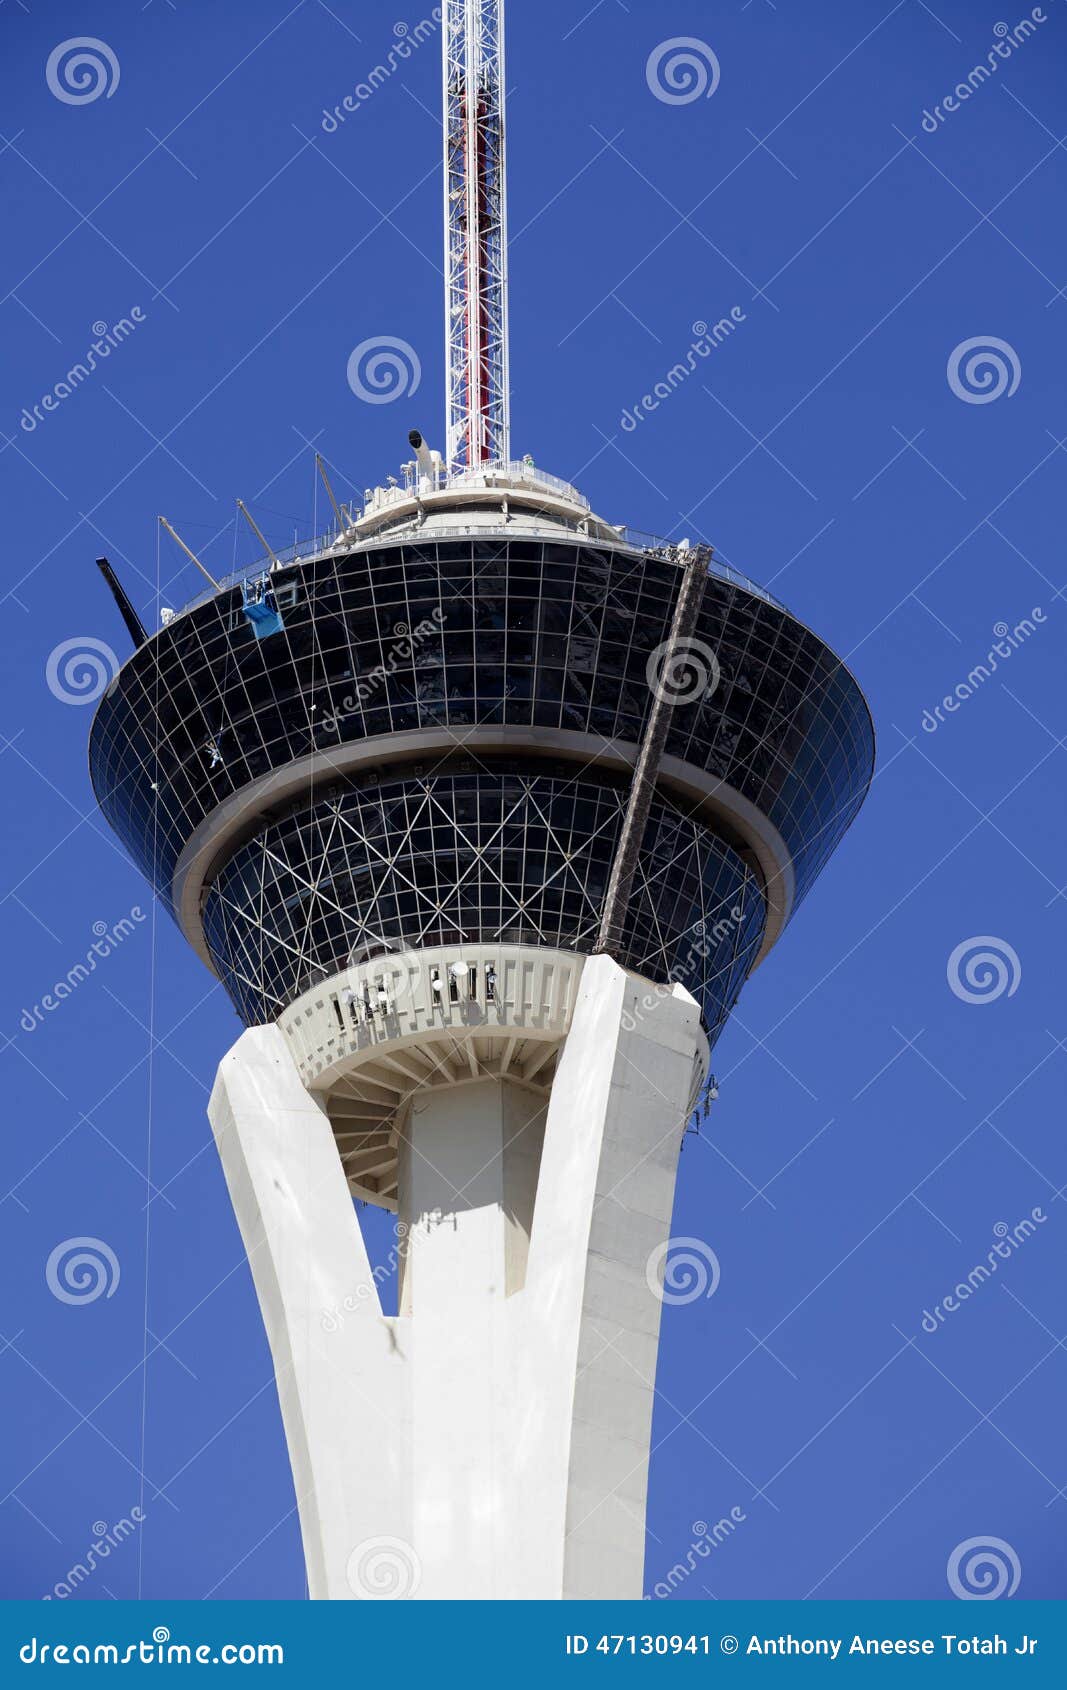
[492, 1439]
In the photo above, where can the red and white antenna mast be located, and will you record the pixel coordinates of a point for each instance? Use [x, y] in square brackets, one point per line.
[476, 248]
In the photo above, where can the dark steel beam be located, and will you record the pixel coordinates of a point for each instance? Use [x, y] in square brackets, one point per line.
[133, 622]
[694, 561]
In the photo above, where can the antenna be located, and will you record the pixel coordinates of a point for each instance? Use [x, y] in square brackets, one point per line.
[476, 255]
[321, 466]
[257, 531]
[189, 554]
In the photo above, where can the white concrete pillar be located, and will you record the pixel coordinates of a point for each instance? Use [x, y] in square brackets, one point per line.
[491, 1440]
[340, 1374]
[468, 1211]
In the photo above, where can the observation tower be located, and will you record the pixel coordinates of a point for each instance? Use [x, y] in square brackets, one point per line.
[482, 809]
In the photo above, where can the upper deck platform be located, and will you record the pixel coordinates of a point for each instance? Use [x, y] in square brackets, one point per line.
[514, 499]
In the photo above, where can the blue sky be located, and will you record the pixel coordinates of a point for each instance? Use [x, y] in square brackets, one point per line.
[875, 1128]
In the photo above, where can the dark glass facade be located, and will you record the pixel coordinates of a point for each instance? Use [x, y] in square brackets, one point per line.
[450, 635]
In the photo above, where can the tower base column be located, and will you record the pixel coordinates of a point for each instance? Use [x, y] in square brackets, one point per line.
[491, 1440]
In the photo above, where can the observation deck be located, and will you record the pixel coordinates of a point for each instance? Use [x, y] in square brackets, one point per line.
[435, 749]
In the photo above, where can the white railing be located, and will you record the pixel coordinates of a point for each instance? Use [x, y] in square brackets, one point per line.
[516, 472]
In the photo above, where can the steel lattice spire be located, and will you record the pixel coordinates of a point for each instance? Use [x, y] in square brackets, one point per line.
[476, 261]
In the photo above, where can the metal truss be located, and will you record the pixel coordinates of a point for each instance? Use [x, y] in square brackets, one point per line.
[476, 261]
[517, 859]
